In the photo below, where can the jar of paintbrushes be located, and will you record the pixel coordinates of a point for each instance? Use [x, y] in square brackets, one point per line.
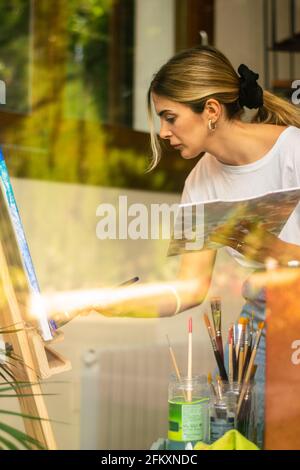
[233, 393]
[224, 412]
[188, 403]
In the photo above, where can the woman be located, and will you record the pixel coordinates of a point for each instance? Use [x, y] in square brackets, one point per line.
[200, 100]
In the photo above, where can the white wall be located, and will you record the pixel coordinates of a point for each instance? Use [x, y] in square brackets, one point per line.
[239, 32]
[154, 44]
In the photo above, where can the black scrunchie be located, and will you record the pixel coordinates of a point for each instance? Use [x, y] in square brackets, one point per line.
[251, 94]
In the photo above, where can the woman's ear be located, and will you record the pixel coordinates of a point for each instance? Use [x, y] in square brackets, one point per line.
[213, 109]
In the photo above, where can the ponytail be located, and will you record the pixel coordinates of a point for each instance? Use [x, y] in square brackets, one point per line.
[277, 111]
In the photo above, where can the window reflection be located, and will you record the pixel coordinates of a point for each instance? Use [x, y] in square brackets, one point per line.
[15, 53]
[76, 73]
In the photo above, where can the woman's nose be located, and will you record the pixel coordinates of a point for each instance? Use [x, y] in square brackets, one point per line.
[164, 132]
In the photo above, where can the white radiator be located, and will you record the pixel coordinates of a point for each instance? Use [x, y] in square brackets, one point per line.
[124, 396]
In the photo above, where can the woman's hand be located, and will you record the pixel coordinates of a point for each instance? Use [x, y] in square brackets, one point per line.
[253, 241]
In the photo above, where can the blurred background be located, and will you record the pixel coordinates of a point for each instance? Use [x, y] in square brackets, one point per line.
[73, 128]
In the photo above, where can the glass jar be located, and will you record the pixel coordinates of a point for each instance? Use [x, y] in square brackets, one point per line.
[222, 410]
[226, 413]
[188, 411]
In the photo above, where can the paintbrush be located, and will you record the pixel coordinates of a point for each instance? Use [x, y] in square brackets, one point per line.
[254, 369]
[246, 339]
[217, 354]
[240, 336]
[230, 355]
[235, 364]
[243, 349]
[211, 385]
[250, 366]
[241, 363]
[233, 361]
[251, 328]
[248, 348]
[216, 312]
[129, 282]
[219, 387]
[244, 409]
[175, 365]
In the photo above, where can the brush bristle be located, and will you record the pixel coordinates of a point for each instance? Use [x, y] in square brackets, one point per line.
[261, 325]
[206, 319]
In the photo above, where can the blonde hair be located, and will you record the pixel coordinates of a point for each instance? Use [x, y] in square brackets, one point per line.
[195, 75]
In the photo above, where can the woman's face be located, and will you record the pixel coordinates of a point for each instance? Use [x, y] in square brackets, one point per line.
[185, 130]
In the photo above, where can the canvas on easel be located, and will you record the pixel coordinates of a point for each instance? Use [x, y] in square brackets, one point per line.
[35, 359]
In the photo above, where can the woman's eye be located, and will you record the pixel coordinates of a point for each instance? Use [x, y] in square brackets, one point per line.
[170, 119]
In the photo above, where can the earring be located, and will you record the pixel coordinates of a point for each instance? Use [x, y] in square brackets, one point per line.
[211, 125]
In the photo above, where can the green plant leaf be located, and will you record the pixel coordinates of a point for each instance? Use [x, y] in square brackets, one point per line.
[16, 385]
[25, 416]
[7, 371]
[4, 378]
[8, 444]
[20, 395]
[21, 436]
[15, 413]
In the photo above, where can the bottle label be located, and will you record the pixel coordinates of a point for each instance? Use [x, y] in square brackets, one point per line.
[187, 421]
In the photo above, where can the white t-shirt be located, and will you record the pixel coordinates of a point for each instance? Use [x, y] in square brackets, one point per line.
[277, 169]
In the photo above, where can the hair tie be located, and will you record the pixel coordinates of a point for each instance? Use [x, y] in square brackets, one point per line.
[251, 94]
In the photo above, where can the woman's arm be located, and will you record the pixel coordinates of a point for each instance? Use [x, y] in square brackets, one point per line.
[167, 298]
[148, 300]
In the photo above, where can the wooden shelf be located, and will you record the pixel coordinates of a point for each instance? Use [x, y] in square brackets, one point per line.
[287, 45]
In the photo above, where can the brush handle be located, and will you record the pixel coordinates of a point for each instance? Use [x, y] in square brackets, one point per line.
[241, 365]
[220, 345]
[214, 393]
[246, 361]
[230, 363]
[235, 365]
[129, 282]
[222, 370]
[248, 372]
[218, 356]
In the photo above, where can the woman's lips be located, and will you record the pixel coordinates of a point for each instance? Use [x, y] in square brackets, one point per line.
[177, 146]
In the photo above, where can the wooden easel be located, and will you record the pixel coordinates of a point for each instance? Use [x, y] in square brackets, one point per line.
[36, 360]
